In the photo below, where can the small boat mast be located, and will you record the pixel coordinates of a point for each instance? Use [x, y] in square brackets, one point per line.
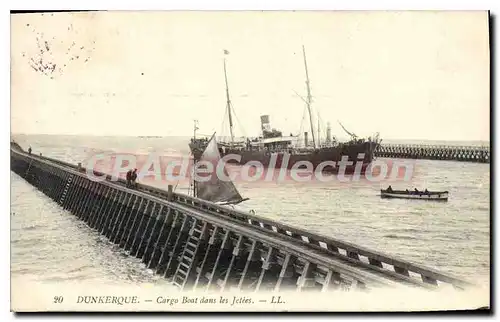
[193, 182]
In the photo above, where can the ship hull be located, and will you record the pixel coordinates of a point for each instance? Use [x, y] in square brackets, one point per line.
[356, 153]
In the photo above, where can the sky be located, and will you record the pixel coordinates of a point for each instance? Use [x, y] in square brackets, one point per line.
[407, 75]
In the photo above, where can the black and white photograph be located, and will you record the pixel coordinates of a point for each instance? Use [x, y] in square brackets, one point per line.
[250, 161]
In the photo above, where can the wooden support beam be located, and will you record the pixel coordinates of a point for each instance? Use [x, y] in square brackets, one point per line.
[176, 246]
[286, 268]
[130, 223]
[223, 245]
[306, 279]
[270, 259]
[158, 244]
[201, 270]
[122, 217]
[115, 219]
[332, 281]
[147, 231]
[136, 229]
[236, 253]
[154, 235]
[164, 257]
[142, 228]
[252, 256]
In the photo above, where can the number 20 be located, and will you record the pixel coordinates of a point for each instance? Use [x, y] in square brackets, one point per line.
[58, 299]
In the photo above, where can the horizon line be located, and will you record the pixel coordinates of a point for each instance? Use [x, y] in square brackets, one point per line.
[166, 136]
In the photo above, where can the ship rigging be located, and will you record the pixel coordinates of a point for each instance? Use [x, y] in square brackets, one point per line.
[273, 141]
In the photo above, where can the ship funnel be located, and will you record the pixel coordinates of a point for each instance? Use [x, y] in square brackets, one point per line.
[306, 141]
[264, 122]
[328, 133]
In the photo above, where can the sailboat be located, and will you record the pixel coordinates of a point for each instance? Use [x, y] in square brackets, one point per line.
[219, 191]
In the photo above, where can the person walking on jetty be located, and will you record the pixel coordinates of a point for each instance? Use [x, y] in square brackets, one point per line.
[133, 177]
[29, 150]
[129, 178]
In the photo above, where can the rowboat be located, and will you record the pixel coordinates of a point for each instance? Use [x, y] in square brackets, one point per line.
[420, 195]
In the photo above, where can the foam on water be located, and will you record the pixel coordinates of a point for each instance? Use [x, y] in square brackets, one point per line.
[51, 245]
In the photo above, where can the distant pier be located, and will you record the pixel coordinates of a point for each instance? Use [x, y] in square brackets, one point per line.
[479, 154]
[200, 245]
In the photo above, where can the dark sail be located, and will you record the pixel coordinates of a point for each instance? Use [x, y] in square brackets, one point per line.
[216, 190]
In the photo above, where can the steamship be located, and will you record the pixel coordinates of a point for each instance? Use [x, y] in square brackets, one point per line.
[288, 150]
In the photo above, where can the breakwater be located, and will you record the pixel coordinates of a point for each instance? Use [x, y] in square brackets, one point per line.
[480, 154]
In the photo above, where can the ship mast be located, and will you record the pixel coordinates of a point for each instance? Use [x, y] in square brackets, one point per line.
[228, 103]
[319, 133]
[195, 129]
[309, 98]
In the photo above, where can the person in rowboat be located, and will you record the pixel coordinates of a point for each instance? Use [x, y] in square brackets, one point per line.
[389, 189]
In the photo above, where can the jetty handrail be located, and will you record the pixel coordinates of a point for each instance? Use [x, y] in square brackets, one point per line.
[330, 243]
[424, 146]
[352, 251]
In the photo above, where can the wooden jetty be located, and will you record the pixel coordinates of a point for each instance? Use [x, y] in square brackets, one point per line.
[479, 154]
[200, 245]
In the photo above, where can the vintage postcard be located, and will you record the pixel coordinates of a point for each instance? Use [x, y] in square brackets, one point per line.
[246, 161]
